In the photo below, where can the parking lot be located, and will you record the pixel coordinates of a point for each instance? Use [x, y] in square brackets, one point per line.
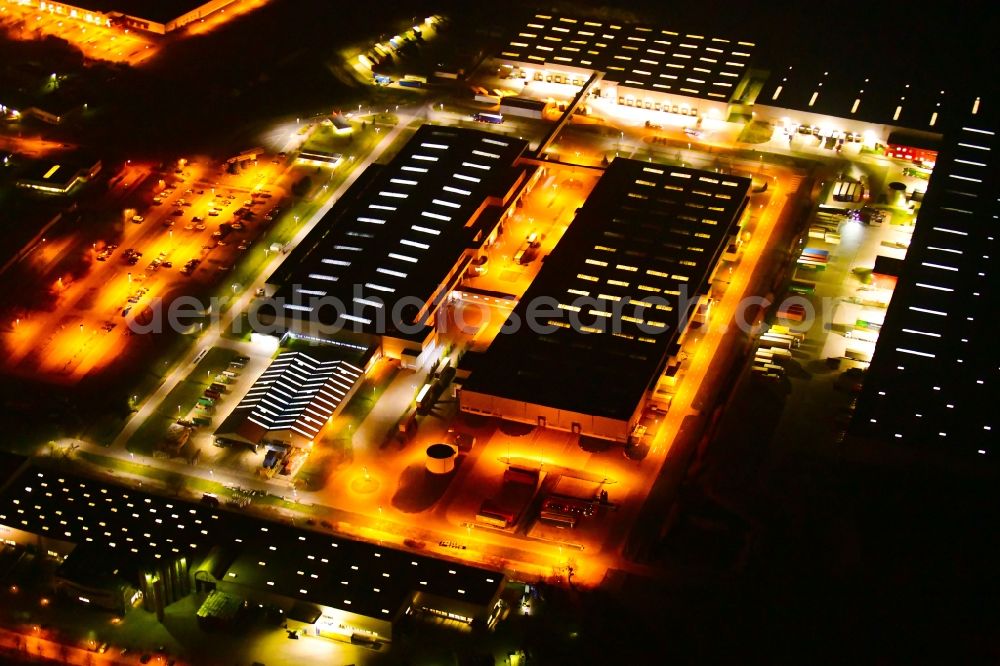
[181, 232]
[95, 41]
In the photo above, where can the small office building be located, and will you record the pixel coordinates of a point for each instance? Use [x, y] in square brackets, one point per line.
[295, 398]
[60, 177]
[852, 106]
[932, 381]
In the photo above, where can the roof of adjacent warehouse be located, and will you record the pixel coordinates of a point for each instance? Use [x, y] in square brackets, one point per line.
[933, 378]
[619, 288]
[848, 93]
[633, 55]
[354, 576]
[399, 233]
[119, 530]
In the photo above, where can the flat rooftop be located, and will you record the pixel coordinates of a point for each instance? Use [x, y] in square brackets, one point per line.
[117, 528]
[874, 96]
[399, 232]
[634, 55]
[619, 288]
[350, 575]
[936, 369]
[56, 174]
[159, 11]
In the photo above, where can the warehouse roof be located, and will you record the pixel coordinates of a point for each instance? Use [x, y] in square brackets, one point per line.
[850, 93]
[619, 288]
[400, 233]
[644, 57]
[936, 368]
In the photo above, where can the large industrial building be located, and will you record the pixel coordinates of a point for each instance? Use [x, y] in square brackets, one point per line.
[933, 378]
[118, 548]
[619, 291]
[157, 16]
[383, 260]
[857, 107]
[633, 65]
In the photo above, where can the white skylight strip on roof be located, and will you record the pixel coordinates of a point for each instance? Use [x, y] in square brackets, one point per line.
[933, 286]
[425, 158]
[371, 220]
[435, 146]
[974, 146]
[323, 276]
[395, 195]
[402, 181]
[496, 142]
[310, 433]
[483, 153]
[978, 131]
[262, 424]
[381, 207]
[413, 168]
[311, 292]
[360, 320]
[425, 230]
[926, 311]
[378, 287]
[455, 190]
[914, 353]
[950, 231]
[462, 176]
[407, 241]
[403, 257]
[350, 248]
[335, 262]
[944, 249]
[970, 162]
[449, 204]
[391, 272]
[971, 180]
[940, 266]
[299, 308]
[474, 165]
[366, 301]
[435, 216]
[916, 332]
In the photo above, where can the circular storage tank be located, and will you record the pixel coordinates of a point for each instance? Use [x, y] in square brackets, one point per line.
[441, 458]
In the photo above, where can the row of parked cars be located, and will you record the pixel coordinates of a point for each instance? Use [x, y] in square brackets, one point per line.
[219, 386]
